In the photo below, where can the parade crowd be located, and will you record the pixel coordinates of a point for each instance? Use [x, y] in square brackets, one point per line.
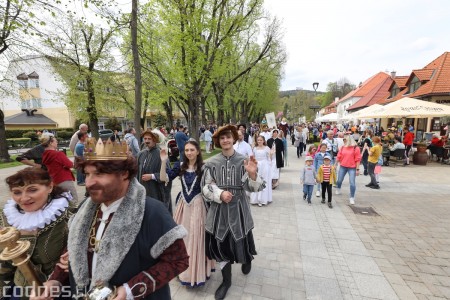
[124, 235]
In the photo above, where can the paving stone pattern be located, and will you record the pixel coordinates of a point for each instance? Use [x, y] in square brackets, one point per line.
[313, 252]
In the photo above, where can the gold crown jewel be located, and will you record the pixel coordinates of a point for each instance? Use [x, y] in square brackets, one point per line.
[97, 150]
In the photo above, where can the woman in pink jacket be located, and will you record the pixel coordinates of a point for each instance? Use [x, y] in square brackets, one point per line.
[349, 157]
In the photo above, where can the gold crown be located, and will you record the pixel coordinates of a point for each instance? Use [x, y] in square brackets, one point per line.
[97, 150]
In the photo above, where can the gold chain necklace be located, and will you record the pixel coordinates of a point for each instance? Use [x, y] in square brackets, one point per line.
[93, 242]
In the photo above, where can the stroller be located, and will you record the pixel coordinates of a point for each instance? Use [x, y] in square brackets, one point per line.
[172, 150]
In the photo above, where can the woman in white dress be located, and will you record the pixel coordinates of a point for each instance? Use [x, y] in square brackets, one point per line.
[263, 155]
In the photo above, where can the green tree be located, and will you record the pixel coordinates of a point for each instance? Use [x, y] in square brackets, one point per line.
[187, 51]
[85, 49]
[18, 20]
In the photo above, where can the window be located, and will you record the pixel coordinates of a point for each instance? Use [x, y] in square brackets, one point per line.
[36, 103]
[23, 83]
[395, 90]
[34, 83]
[25, 104]
[414, 85]
[31, 103]
[33, 80]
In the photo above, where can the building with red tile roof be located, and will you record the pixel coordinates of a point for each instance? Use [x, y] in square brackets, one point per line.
[371, 91]
[431, 83]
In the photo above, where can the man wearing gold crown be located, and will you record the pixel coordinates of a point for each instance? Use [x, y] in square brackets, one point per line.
[229, 222]
[120, 238]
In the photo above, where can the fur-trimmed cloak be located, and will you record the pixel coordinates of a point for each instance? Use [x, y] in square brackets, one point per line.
[140, 230]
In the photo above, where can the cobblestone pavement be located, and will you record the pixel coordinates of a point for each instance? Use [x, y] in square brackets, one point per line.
[313, 252]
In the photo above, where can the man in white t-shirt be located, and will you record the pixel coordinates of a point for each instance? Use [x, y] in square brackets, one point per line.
[242, 146]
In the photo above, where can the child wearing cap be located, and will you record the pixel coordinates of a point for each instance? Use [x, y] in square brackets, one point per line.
[326, 176]
[318, 161]
[308, 178]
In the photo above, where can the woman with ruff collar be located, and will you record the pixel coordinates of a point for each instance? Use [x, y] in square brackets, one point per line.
[40, 211]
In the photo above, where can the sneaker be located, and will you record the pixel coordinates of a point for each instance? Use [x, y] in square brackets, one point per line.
[81, 184]
[317, 194]
[352, 201]
[338, 191]
[330, 205]
[376, 187]
[259, 204]
[304, 196]
[369, 185]
[309, 203]
[323, 201]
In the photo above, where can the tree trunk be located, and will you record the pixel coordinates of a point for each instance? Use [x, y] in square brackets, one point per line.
[194, 121]
[137, 66]
[203, 106]
[169, 112]
[218, 93]
[144, 113]
[92, 108]
[4, 155]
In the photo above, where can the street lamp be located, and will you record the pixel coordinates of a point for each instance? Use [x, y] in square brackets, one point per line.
[315, 86]
[315, 107]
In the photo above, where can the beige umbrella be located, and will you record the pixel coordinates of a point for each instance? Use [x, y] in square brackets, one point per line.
[410, 108]
[357, 115]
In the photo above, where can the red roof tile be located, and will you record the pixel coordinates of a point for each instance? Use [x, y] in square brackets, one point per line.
[366, 86]
[424, 74]
[376, 95]
[401, 81]
[435, 78]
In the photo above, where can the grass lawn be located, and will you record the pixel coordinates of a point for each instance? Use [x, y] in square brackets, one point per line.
[13, 163]
[208, 155]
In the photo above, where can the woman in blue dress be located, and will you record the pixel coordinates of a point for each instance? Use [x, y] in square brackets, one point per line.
[191, 212]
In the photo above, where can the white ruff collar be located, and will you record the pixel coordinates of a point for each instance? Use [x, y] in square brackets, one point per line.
[30, 221]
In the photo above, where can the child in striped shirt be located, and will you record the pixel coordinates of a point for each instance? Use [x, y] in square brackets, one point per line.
[326, 175]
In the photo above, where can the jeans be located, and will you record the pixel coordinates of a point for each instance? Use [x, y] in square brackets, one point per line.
[308, 190]
[300, 149]
[364, 161]
[351, 176]
[80, 177]
[371, 170]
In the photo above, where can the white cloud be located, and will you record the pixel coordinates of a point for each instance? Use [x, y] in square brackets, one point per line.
[327, 39]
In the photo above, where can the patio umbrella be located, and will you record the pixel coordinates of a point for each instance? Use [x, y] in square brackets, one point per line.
[329, 118]
[366, 110]
[410, 108]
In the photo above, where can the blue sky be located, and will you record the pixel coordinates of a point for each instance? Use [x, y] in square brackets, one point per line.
[327, 39]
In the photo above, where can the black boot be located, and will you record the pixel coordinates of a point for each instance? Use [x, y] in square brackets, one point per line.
[222, 290]
[246, 268]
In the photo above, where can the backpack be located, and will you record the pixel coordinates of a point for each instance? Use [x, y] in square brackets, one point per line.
[129, 141]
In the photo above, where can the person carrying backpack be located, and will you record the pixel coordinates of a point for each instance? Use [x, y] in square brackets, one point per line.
[132, 142]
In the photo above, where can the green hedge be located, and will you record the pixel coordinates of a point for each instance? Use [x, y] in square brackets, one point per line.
[64, 135]
[18, 142]
[18, 133]
[31, 134]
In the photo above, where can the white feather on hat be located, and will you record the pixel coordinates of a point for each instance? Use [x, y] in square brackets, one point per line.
[162, 137]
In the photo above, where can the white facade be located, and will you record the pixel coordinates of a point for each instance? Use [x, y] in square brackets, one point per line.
[44, 93]
[341, 107]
